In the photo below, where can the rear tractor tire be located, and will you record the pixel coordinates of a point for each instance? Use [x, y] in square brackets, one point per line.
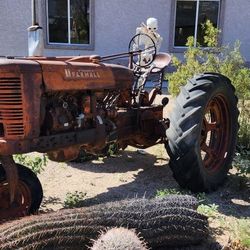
[203, 132]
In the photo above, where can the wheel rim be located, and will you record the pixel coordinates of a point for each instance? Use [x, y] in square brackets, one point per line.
[215, 134]
[21, 205]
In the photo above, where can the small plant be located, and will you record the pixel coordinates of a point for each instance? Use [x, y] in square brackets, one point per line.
[112, 149]
[240, 231]
[84, 157]
[244, 232]
[244, 120]
[74, 200]
[235, 245]
[35, 163]
[210, 210]
[201, 197]
[169, 191]
[242, 162]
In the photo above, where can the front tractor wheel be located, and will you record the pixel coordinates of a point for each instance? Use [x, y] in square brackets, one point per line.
[27, 198]
[203, 132]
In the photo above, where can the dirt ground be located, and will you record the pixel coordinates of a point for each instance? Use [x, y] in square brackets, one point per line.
[136, 174]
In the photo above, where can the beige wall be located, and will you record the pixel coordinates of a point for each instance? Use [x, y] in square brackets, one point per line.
[115, 23]
[237, 24]
[15, 17]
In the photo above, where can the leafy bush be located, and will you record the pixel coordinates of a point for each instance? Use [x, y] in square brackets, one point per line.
[242, 161]
[226, 60]
[35, 163]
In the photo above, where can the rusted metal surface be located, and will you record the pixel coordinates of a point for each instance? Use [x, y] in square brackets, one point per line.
[19, 102]
[64, 154]
[11, 176]
[58, 105]
[62, 76]
[20, 205]
[215, 133]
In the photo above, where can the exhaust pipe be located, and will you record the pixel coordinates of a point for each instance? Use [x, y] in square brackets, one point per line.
[35, 34]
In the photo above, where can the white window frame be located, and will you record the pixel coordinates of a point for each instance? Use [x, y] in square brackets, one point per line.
[196, 20]
[69, 45]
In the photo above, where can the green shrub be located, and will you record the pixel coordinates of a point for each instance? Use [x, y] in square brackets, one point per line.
[226, 60]
[169, 191]
[210, 210]
[35, 162]
[242, 161]
[244, 120]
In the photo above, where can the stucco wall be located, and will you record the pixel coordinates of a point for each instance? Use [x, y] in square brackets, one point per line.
[237, 24]
[115, 23]
[15, 17]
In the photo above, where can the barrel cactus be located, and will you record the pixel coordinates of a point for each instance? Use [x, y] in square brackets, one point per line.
[119, 239]
[164, 222]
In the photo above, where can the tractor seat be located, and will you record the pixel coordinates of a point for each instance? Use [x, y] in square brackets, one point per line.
[161, 61]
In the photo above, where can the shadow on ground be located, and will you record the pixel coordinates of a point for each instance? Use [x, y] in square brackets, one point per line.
[232, 199]
[153, 173]
[49, 200]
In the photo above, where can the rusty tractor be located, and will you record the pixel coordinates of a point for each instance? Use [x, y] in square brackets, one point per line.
[60, 105]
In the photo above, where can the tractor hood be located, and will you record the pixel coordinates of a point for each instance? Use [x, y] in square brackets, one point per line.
[63, 75]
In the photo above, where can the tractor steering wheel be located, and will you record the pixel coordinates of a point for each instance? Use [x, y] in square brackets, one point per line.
[143, 50]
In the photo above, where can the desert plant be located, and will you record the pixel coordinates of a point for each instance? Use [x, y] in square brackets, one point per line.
[244, 120]
[242, 162]
[226, 60]
[200, 198]
[119, 239]
[243, 232]
[169, 191]
[35, 162]
[74, 199]
[240, 231]
[210, 210]
[161, 222]
[111, 149]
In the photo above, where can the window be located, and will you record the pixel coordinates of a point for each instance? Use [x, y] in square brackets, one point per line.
[190, 15]
[69, 22]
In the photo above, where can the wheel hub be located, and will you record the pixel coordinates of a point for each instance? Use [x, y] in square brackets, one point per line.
[215, 133]
[21, 204]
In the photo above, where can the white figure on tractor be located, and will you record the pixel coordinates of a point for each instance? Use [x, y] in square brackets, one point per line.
[150, 29]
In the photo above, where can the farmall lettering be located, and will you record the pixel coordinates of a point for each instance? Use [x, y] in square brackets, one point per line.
[81, 74]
